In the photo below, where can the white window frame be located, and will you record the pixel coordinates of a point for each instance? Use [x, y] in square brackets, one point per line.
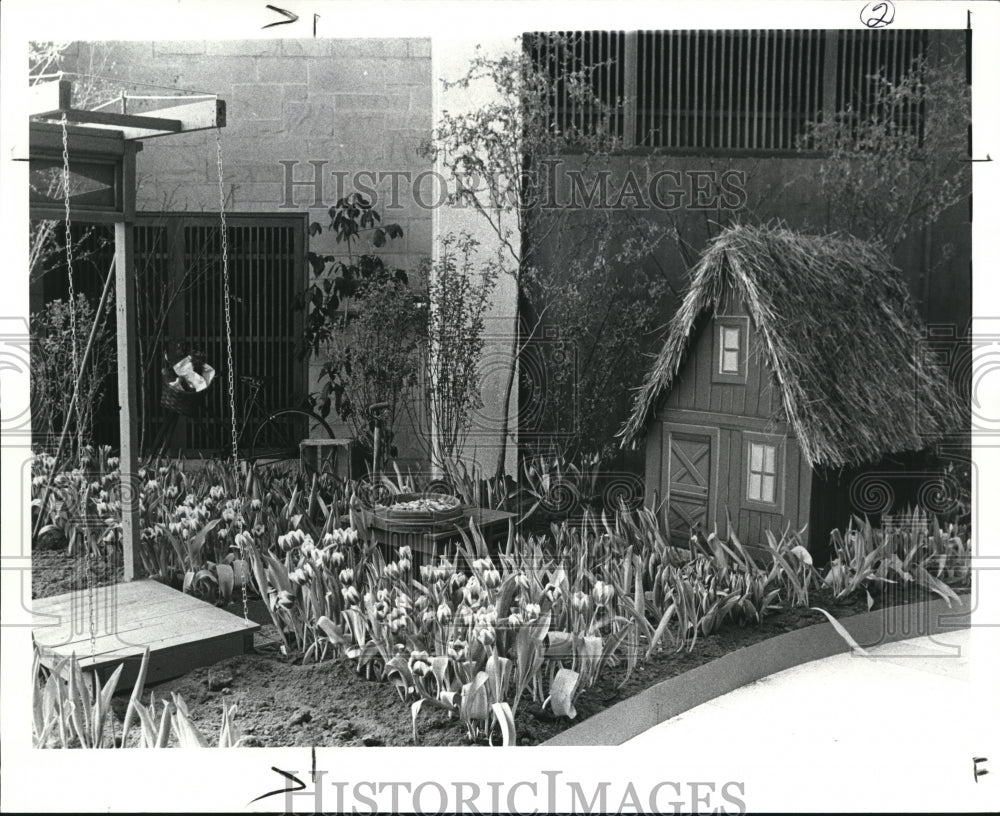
[722, 326]
[755, 478]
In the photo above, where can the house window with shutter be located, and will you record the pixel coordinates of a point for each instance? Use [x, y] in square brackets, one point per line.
[763, 463]
[730, 350]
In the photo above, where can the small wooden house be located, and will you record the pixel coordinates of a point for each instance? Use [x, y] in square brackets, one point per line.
[791, 370]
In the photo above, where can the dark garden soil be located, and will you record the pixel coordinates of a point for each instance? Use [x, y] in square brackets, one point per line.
[283, 703]
[53, 572]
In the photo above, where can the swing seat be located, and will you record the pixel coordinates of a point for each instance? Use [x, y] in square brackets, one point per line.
[181, 402]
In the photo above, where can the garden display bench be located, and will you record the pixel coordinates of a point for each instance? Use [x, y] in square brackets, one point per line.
[430, 539]
[181, 631]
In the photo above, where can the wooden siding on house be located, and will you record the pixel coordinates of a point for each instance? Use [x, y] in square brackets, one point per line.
[729, 412]
[726, 489]
[693, 388]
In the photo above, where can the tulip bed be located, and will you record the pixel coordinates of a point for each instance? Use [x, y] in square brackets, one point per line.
[477, 637]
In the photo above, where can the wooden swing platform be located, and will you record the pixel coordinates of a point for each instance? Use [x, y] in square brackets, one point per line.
[181, 631]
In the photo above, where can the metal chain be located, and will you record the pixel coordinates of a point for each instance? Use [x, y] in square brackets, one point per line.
[230, 373]
[74, 352]
[75, 359]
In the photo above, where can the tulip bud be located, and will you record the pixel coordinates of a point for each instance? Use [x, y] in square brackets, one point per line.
[444, 614]
[602, 593]
[464, 615]
[473, 588]
[456, 649]
[419, 663]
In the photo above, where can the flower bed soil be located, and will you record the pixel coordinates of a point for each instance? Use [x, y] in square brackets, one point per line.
[53, 572]
[283, 703]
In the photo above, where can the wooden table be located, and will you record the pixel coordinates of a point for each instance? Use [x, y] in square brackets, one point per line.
[429, 540]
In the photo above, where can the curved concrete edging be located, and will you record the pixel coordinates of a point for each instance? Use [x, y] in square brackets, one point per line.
[674, 696]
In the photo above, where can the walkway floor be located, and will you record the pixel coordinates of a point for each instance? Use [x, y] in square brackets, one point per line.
[894, 731]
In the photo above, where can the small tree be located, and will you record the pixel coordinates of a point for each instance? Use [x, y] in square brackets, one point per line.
[459, 289]
[498, 152]
[363, 320]
[897, 165]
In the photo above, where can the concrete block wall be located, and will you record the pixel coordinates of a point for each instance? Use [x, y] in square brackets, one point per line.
[349, 105]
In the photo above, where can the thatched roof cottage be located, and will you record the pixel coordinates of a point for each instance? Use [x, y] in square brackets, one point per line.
[791, 370]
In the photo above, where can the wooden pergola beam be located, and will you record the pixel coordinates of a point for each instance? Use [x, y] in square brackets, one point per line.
[53, 100]
[122, 121]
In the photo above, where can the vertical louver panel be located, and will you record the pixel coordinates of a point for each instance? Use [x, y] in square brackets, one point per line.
[180, 292]
[597, 55]
[264, 266]
[727, 90]
[868, 58]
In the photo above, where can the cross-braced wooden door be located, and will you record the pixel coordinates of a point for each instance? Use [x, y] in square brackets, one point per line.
[689, 482]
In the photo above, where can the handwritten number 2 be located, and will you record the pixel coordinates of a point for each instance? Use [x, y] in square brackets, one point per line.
[878, 15]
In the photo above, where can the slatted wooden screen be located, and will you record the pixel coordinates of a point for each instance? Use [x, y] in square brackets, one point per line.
[865, 58]
[179, 292]
[598, 54]
[752, 90]
[267, 269]
[727, 90]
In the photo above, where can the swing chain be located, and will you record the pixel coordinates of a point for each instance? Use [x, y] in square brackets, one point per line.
[75, 358]
[71, 288]
[244, 578]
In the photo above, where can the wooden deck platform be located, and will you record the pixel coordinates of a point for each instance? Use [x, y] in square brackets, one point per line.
[182, 632]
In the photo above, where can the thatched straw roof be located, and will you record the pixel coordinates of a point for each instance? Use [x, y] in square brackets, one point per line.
[837, 327]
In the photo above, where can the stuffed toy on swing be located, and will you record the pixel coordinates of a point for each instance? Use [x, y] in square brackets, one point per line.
[186, 377]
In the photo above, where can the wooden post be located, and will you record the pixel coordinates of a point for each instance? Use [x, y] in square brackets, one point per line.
[125, 312]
